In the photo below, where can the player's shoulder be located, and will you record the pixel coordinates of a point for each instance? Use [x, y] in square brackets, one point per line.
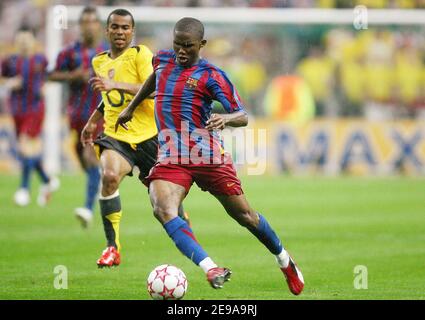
[141, 51]
[140, 48]
[71, 47]
[10, 58]
[211, 68]
[101, 54]
[164, 56]
[100, 57]
[40, 57]
[167, 54]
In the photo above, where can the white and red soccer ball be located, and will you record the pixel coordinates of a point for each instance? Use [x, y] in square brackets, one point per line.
[167, 282]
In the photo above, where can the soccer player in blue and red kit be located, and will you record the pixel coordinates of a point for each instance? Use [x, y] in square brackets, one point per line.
[191, 150]
[25, 74]
[73, 65]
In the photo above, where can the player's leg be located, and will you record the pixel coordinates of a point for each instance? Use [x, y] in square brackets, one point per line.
[22, 195]
[238, 208]
[147, 152]
[49, 183]
[93, 173]
[90, 164]
[114, 167]
[166, 198]
[30, 148]
[184, 215]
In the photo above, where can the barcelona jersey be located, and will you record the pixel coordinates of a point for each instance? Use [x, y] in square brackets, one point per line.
[134, 66]
[82, 99]
[32, 69]
[183, 104]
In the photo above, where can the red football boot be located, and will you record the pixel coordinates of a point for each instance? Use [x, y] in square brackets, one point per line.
[294, 277]
[110, 257]
[218, 276]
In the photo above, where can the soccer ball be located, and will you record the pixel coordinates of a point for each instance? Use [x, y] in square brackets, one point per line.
[167, 282]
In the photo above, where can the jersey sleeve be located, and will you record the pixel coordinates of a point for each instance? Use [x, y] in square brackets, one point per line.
[223, 90]
[95, 65]
[155, 62]
[144, 63]
[63, 61]
[5, 69]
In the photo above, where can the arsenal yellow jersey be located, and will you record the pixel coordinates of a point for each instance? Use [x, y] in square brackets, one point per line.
[133, 66]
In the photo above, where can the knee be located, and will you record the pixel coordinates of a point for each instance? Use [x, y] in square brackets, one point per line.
[247, 218]
[162, 213]
[110, 182]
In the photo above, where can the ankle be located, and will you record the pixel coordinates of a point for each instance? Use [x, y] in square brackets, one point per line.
[283, 259]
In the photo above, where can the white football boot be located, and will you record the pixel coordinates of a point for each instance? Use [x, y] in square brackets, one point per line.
[85, 216]
[22, 197]
[46, 191]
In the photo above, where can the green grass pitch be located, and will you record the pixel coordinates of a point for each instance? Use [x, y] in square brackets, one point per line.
[329, 225]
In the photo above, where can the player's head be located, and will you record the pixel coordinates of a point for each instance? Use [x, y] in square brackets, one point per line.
[90, 25]
[188, 40]
[25, 40]
[120, 29]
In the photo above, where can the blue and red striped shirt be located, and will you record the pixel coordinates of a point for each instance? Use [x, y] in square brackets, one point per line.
[32, 69]
[82, 99]
[183, 104]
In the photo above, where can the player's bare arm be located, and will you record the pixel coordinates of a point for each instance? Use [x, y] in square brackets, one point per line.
[90, 127]
[103, 84]
[145, 91]
[12, 83]
[220, 121]
[78, 74]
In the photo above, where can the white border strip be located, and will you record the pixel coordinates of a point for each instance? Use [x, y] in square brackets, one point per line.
[265, 16]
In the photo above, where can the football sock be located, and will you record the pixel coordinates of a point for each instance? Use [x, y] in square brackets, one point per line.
[283, 259]
[207, 264]
[110, 210]
[39, 167]
[267, 236]
[185, 240]
[92, 188]
[27, 165]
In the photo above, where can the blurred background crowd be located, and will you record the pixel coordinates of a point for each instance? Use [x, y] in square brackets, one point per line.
[377, 73]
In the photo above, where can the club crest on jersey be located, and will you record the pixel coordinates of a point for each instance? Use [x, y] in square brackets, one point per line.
[111, 73]
[191, 83]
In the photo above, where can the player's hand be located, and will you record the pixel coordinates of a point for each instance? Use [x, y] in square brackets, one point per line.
[14, 83]
[101, 84]
[87, 134]
[80, 74]
[216, 122]
[125, 116]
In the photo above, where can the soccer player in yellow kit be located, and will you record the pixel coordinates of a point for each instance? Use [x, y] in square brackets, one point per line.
[120, 72]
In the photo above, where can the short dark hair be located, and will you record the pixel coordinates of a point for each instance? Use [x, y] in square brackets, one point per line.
[191, 25]
[89, 10]
[120, 12]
